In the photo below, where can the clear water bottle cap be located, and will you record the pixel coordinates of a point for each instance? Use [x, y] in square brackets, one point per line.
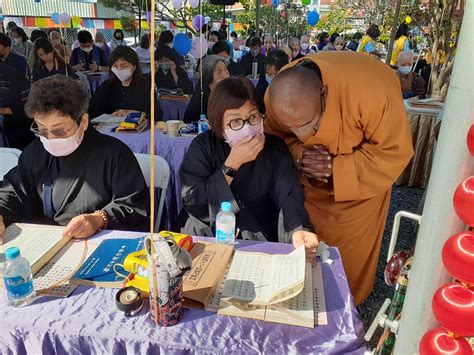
[226, 206]
[202, 117]
[12, 253]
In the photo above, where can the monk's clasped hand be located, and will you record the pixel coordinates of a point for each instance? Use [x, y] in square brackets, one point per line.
[316, 163]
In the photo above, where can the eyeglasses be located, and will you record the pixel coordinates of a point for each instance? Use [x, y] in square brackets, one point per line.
[239, 123]
[59, 133]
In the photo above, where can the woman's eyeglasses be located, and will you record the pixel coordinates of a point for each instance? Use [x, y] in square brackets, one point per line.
[239, 123]
[59, 133]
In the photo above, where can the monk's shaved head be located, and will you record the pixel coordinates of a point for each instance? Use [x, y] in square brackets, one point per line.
[295, 94]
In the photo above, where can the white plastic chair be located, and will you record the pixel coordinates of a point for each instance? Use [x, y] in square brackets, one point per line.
[8, 160]
[162, 178]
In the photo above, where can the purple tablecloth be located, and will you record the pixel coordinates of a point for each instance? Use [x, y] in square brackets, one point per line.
[88, 323]
[173, 109]
[173, 151]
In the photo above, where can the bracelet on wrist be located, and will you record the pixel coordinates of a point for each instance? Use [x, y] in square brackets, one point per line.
[105, 218]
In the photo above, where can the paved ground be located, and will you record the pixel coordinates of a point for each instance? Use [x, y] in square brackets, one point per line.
[403, 198]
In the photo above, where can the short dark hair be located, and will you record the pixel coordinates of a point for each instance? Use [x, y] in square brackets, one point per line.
[323, 35]
[334, 36]
[357, 36]
[35, 34]
[402, 31]
[373, 31]
[5, 40]
[145, 41]
[230, 93]
[163, 51]
[19, 31]
[255, 41]
[217, 34]
[128, 54]
[84, 37]
[11, 24]
[277, 58]
[47, 47]
[233, 34]
[220, 46]
[57, 93]
[119, 31]
[165, 37]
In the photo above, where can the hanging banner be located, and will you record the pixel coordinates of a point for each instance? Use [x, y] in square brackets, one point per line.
[89, 23]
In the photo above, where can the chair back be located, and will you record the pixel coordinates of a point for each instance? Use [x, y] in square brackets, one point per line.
[162, 178]
[8, 160]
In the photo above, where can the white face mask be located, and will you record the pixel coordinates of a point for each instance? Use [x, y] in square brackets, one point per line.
[339, 47]
[122, 74]
[99, 44]
[56, 42]
[268, 78]
[404, 70]
[304, 46]
[60, 147]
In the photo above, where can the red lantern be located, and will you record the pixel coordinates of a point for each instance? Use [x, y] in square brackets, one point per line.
[453, 307]
[458, 256]
[438, 341]
[470, 140]
[463, 201]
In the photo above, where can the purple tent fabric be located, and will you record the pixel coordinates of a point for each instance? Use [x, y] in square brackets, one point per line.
[173, 151]
[88, 323]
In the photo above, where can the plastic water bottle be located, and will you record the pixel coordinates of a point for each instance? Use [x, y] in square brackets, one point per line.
[203, 124]
[18, 279]
[225, 225]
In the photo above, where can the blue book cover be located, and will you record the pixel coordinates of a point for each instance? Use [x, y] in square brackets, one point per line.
[98, 269]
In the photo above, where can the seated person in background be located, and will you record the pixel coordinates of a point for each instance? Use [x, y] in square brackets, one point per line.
[221, 48]
[237, 162]
[117, 40]
[294, 44]
[340, 44]
[331, 46]
[167, 38]
[287, 51]
[214, 70]
[20, 43]
[276, 60]
[143, 52]
[247, 60]
[168, 74]
[88, 56]
[305, 45]
[413, 85]
[214, 37]
[16, 61]
[323, 39]
[268, 45]
[14, 88]
[102, 44]
[49, 62]
[35, 34]
[85, 191]
[236, 41]
[126, 90]
[63, 51]
[354, 43]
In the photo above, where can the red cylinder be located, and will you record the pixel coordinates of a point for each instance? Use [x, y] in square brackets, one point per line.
[458, 256]
[463, 201]
[437, 341]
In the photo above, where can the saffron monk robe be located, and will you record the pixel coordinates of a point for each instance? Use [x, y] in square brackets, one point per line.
[343, 119]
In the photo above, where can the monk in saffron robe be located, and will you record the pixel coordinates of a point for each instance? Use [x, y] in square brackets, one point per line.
[342, 116]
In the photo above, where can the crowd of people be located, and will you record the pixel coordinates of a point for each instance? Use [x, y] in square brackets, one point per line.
[303, 153]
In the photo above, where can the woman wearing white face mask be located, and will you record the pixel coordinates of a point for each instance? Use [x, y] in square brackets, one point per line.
[305, 45]
[214, 69]
[413, 85]
[102, 44]
[126, 91]
[20, 43]
[60, 178]
[168, 74]
[237, 162]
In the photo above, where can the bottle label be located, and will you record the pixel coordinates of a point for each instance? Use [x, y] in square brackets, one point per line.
[225, 236]
[18, 287]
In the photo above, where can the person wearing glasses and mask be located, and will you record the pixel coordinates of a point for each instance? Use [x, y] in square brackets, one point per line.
[60, 179]
[118, 40]
[237, 162]
[349, 147]
[88, 56]
[126, 90]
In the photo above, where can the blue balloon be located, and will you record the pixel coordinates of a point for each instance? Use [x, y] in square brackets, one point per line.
[55, 18]
[37, 1]
[182, 43]
[313, 18]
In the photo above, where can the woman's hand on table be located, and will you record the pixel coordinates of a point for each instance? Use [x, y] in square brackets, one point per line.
[310, 242]
[244, 151]
[78, 67]
[84, 226]
[2, 229]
